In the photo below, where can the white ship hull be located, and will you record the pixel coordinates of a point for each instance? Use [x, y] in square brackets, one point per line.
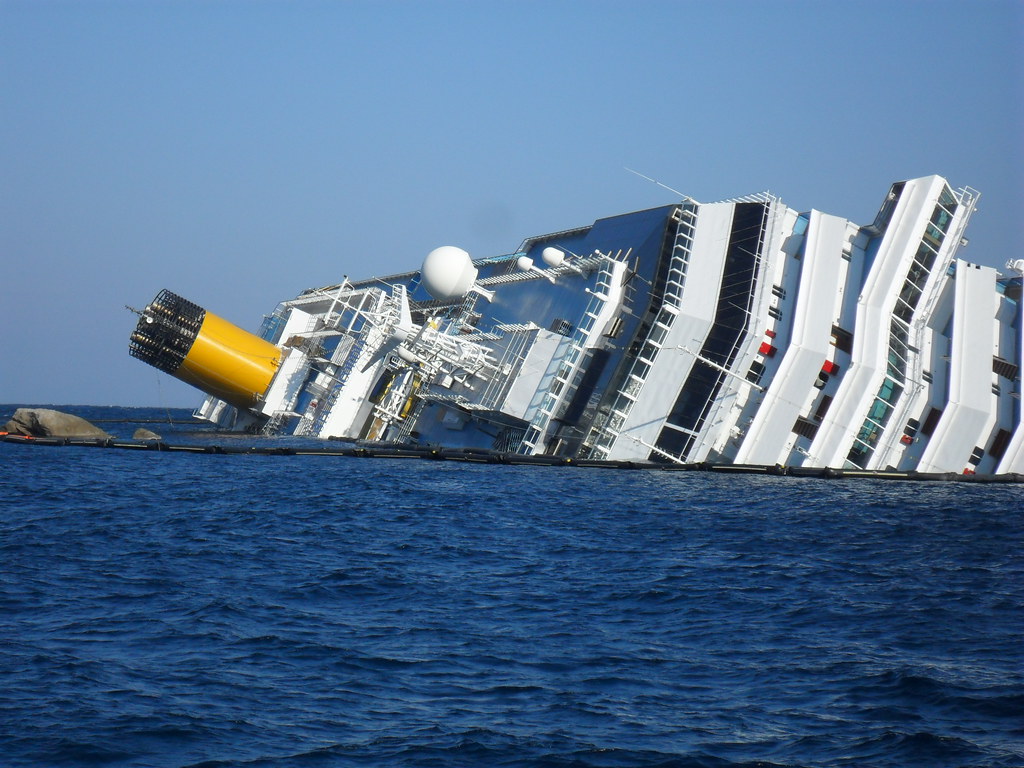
[740, 331]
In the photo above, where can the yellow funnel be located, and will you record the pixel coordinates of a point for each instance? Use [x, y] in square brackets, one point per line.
[204, 350]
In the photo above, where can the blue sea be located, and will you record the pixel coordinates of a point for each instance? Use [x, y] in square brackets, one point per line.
[171, 609]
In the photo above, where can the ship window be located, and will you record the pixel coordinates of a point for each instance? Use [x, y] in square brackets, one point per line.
[649, 352]
[756, 372]
[999, 444]
[933, 235]
[561, 326]
[948, 200]
[925, 256]
[890, 391]
[658, 333]
[931, 421]
[917, 275]
[904, 311]
[826, 401]
[887, 209]
[879, 410]
[666, 316]
[842, 339]
[858, 455]
[911, 293]
[672, 441]
[940, 218]
[271, 328]
[868, 434]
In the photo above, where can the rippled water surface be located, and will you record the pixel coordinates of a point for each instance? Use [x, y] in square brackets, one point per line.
[164, 609]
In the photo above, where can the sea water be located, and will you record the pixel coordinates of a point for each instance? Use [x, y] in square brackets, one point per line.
[167, 609]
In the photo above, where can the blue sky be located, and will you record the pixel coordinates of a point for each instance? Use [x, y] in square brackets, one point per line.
[239, 152]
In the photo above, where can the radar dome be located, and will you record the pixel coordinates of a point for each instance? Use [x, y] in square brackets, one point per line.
[552, 256]
[448, 272]
[525, 263]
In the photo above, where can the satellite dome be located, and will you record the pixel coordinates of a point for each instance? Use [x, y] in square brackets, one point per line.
[525, 263]
[448, 272]
[552, 256]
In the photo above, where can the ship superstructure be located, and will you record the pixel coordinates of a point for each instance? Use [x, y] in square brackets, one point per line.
[738, 331]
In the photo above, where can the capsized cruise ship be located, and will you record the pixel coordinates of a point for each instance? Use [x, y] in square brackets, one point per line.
[740, 332]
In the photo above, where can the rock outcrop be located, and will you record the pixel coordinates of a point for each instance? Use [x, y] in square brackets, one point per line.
[45, 422]
[144, 434]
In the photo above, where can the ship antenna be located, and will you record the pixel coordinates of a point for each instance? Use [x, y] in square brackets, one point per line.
[665, 186]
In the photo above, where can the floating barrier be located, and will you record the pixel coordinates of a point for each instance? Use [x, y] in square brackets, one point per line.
[477, 456]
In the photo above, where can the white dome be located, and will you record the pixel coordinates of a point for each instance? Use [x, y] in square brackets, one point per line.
[525, 263]
[448, 272]
[552, 256]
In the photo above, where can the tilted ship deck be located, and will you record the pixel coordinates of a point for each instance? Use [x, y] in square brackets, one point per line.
[740, 332]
